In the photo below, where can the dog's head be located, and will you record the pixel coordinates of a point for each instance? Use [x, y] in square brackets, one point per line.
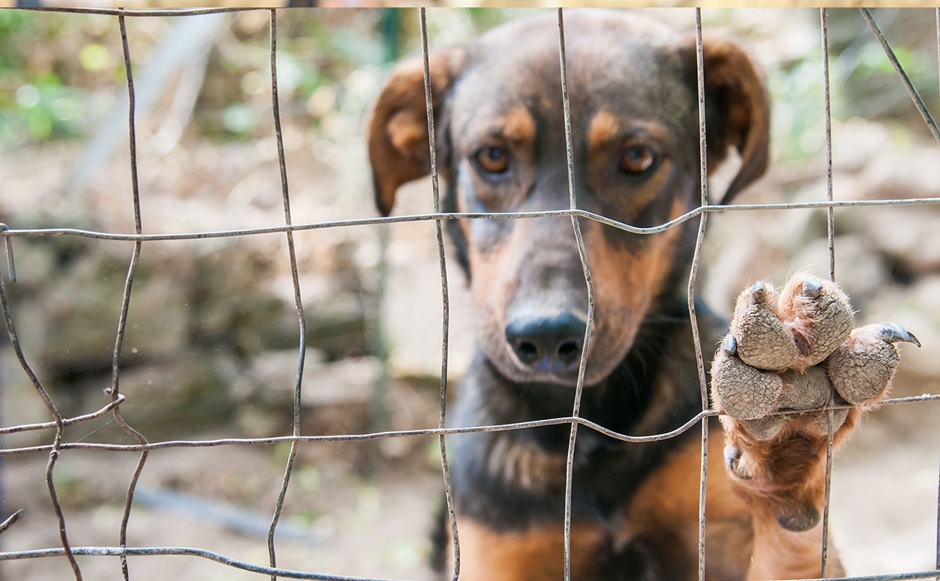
[501, 148]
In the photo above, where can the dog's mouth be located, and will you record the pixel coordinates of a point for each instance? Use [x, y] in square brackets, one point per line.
[550, 372]
[562, 369]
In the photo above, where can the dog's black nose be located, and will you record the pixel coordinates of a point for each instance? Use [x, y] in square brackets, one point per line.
[549, 344]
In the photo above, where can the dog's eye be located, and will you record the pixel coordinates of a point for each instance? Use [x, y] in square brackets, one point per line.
[492, 159]
[637, 159]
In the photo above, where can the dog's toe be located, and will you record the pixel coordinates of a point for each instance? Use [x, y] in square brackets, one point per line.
[743, 391]
[817, 422]
[862, 367]
[819, 316]
[799, 518]
[804, 390]
[763, 340]
[766, 428]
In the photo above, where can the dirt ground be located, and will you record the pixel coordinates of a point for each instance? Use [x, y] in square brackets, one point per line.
[219, 499]
[372, 527]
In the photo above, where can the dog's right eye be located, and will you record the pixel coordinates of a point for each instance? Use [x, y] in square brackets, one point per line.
[492, 159]
[637, 159]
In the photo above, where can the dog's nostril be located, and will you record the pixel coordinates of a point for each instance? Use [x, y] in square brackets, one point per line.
[527, 352]
[569, 351]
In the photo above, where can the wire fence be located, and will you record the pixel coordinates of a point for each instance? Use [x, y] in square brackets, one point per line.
[143, 447]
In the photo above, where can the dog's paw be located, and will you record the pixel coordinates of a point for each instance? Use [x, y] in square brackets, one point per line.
[787, 352]
[785, 357]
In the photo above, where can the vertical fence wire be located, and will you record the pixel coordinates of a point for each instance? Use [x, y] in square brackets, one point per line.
[905, 80]
[693, 274]
[589, 326]
[938, 485]
[445, 299]
[830, 220]
[114, 388]
[298, 301]
[58, 424]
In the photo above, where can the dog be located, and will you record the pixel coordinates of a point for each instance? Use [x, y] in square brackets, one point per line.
[500, 135]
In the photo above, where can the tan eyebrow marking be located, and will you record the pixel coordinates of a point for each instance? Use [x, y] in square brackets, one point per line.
[518, 125]
[604, 127]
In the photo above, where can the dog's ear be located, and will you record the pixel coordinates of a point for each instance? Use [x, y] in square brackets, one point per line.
[399, 149]
[737, 110]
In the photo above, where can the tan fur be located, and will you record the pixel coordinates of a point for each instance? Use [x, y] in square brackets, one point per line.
[667, 505]
[533, 555]
[785, 477]
[604, 127]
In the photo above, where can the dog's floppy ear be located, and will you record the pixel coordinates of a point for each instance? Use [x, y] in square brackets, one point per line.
[737, 110]
[399, 150]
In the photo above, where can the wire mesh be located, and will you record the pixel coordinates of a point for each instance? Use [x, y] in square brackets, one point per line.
[143, 446]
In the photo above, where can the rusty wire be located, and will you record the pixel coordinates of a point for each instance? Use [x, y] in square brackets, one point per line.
[830, 232]
[905, 80]
[589, 283]
[938, 485]
[690, 423]
[693, 275]
[298, 302]
[445, 325]
[8, 232]
[114, 389]
[143, 446]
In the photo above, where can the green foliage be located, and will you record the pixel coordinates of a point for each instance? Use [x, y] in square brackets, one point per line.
[41, 99]
[863, 83]
[59, 71]
[44, 109]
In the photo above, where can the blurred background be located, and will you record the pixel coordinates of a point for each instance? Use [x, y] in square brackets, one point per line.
[212, 333]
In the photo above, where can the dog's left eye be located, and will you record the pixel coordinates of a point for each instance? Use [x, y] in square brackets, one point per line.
[492, 159]
[637, 159]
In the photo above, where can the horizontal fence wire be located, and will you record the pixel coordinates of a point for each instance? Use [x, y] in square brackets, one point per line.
[690, 423]
[143, 447]
[8, 232]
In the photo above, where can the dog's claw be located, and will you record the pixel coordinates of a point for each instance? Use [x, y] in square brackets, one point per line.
[812, 287]
[892, 333]
[729, 345]
[733, 457]
[758, 292]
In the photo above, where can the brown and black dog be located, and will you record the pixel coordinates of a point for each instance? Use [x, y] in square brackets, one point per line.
[501, 148]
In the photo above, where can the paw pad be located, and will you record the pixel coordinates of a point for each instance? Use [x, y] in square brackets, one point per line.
[788, 352]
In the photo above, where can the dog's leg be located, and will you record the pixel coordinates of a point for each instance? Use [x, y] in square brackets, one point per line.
[792, 353]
